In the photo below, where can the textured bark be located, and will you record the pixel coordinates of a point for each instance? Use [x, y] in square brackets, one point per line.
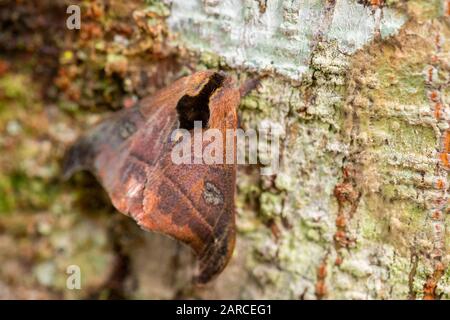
[360, 90]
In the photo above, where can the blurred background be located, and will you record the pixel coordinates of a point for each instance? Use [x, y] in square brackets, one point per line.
[55, 83]
[359, 207]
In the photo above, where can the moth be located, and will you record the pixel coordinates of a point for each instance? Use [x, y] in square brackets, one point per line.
[130, 155]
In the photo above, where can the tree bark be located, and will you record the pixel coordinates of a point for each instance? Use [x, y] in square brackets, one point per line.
[359, 206]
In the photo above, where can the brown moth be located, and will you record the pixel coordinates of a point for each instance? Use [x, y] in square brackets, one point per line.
[130, 154]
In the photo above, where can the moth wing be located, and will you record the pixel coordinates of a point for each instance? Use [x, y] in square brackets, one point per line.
[130, 154]
[195, 204]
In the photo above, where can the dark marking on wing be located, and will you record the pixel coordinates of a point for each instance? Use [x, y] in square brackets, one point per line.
[212, 194]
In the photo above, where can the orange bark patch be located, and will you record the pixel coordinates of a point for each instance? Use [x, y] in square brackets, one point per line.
[434, 96]
[440, 184]
[446, 144]
[444, 159]
[437, 215]
[430, 286]
[376, 3]
[430, 74]
[437, 110]
[321, 289]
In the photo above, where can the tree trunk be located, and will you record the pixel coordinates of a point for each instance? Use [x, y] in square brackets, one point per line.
[360, 90]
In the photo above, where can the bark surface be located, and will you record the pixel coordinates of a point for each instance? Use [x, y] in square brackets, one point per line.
[359, 90]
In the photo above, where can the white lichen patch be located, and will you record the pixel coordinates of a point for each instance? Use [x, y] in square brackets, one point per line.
[281, 35]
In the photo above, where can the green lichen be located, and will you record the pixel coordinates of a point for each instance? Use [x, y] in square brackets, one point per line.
[404, 138]
[271, 204]
[158, 7]
[210, 60]
[429, 9]
[408, 74]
